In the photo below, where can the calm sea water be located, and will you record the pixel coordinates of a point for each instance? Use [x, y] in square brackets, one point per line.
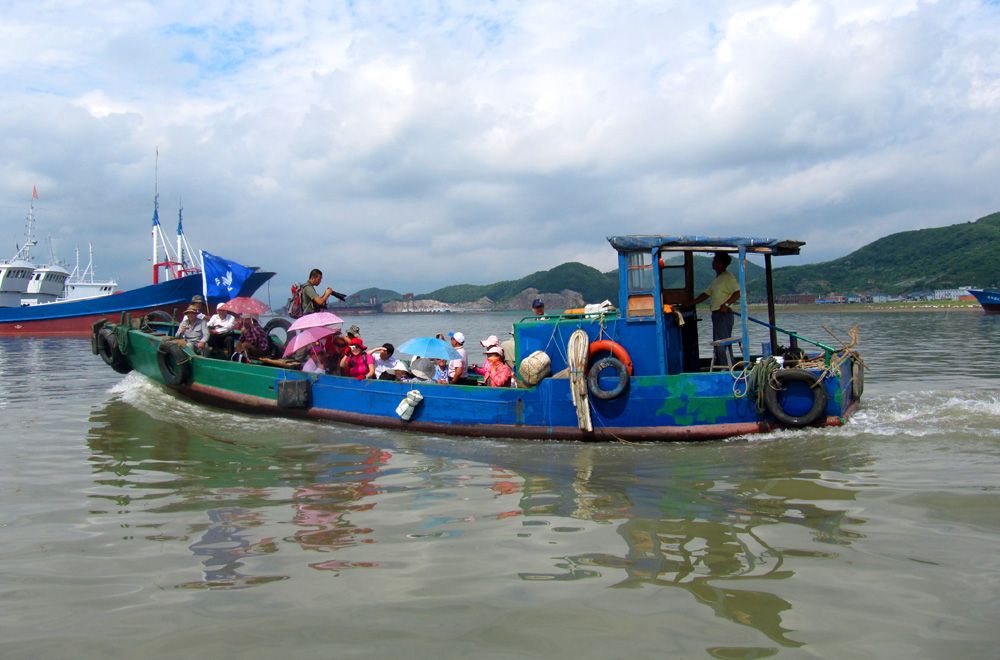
[137, 525]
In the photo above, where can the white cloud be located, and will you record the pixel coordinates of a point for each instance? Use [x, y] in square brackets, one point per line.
[416, 144]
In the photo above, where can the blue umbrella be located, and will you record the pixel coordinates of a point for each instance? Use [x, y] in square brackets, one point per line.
[429, 347]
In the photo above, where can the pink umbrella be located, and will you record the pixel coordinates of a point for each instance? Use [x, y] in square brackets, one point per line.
[245, 305]
[314, 320]
[306, 337]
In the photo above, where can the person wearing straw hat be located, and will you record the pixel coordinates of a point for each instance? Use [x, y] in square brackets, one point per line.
[192, 329]
[199, 302]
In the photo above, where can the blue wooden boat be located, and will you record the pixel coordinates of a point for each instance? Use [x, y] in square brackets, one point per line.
[629, 374]
[988, 298]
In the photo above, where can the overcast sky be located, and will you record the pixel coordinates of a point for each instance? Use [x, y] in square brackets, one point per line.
[411, 144]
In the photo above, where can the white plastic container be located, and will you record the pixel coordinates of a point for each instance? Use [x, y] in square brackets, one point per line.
[409, 404]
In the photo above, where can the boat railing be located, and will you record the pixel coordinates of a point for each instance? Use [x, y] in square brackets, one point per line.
[795, 337]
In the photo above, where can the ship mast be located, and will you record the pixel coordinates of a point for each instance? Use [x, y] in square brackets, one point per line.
[156, 215]
[24, 253]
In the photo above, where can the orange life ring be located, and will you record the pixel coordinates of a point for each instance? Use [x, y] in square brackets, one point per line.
[613, 347]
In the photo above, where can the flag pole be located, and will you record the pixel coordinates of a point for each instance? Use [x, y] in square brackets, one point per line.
[204, 279]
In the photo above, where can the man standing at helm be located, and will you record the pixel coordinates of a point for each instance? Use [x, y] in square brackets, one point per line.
[724, 291]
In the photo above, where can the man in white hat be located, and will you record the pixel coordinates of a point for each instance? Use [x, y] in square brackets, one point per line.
[457, 369]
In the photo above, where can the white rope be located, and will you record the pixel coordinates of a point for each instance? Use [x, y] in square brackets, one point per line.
[578, 348]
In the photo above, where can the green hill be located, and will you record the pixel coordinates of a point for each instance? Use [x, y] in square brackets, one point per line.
[591, 283]
[383, 295]
[939, 258]
[923, 259]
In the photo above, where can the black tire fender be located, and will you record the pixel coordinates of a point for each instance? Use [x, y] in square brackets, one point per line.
[594, 378]
[107, 348]
[158, 316]
[277, 341]
[777, 384]
[174, 363]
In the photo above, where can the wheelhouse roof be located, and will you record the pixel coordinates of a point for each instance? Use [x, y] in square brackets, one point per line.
[666, 243]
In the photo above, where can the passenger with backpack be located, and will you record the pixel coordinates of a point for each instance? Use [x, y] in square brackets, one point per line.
[306, 300]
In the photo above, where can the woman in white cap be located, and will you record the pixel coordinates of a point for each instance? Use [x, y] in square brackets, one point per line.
[487, 343]
[496, 372]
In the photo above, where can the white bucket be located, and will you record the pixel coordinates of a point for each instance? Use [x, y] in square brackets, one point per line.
[409, 404]
[534, 368]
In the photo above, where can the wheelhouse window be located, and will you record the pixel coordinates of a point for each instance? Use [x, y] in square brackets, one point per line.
[641, 280]
[640, 272]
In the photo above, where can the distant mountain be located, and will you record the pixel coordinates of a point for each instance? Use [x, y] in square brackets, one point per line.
[594, 285]
[590, 283]
[939, 258]
[383, 295]
[923, 259]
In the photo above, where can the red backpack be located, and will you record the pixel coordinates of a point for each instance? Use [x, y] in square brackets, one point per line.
[295, 302]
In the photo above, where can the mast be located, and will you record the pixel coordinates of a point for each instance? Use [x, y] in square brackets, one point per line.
[29, 229]
[180, 234]
[89, 272]
[75, 275]
[156, 216]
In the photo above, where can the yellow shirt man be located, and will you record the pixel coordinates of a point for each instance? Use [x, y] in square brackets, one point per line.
[722, 289]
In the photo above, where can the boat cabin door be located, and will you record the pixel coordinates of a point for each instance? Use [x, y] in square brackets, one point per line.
[676, 289]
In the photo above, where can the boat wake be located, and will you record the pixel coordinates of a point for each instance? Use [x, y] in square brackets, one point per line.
[931, 412]
[165, 406]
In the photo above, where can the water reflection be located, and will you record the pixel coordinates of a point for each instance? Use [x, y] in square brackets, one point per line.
[720, 522]
[225, 543]
[699, 525]
[160, 472]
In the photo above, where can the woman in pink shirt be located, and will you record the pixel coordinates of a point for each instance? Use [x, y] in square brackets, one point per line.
[356, 363]
[496, 373]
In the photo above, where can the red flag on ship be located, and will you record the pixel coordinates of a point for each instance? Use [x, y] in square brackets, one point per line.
[34, 192]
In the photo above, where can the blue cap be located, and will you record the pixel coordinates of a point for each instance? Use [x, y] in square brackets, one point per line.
[538, 303]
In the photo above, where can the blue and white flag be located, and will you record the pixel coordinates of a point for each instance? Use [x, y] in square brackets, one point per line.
[222, 278]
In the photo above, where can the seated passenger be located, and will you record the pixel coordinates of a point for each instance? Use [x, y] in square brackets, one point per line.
[220, 330]
[487, 343]
[253, 342]
[386, 366]
[497, 373]
[199, 303]
[316, 362]
[193, 330]
[421, 368]
[334, 348]
[441, 371]
[357, 364]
